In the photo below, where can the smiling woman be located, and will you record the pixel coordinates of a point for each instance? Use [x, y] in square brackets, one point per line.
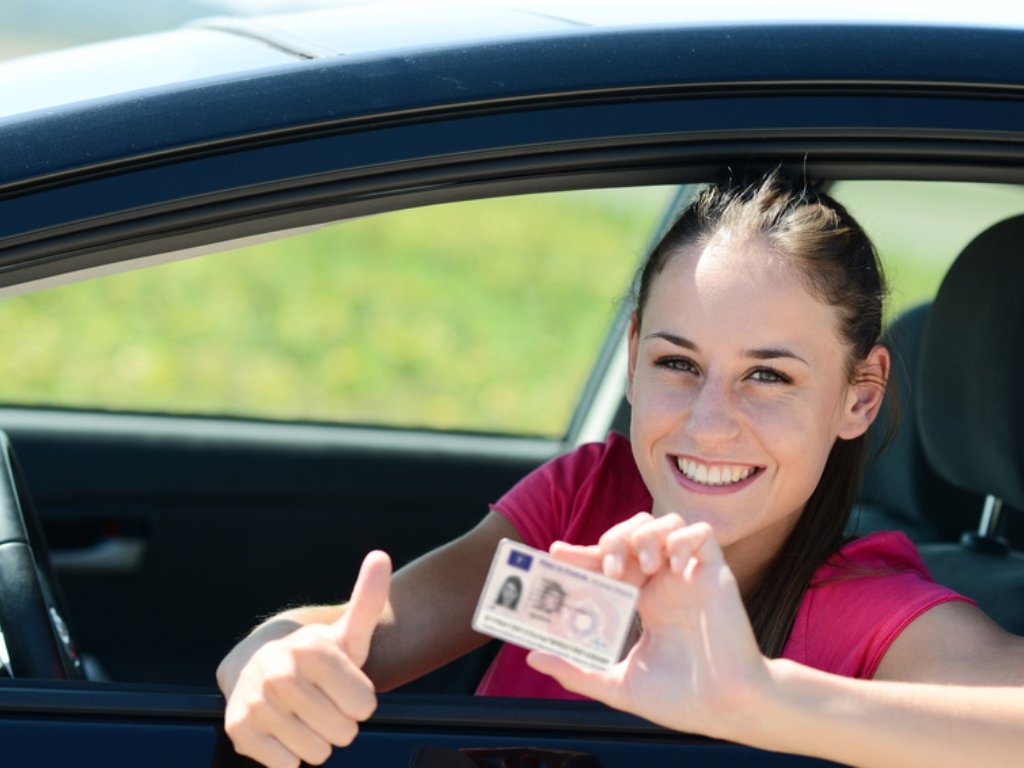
[392, 320]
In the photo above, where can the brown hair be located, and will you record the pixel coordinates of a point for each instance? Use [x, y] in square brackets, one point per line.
[840, 266]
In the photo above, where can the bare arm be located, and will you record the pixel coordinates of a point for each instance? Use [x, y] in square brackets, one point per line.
[431, 607]
[950, 691]
[885, 723]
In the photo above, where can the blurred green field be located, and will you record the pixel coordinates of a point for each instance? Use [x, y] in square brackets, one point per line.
[482, 316]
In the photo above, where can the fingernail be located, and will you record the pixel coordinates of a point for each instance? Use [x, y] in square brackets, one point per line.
[612, 565]
[677, 564]
[646, 560]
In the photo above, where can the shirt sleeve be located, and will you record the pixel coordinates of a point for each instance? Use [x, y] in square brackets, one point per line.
[540, 506]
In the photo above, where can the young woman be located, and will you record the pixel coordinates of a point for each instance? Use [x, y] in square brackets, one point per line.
[754, 374]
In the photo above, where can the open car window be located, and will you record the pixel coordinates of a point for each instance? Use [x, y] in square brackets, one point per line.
[481, 316]
[919, 227]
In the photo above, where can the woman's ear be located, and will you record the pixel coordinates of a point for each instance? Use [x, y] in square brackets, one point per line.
[634, 333]
[866, 394]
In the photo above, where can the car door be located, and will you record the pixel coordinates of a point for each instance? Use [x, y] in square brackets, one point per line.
[211, 440]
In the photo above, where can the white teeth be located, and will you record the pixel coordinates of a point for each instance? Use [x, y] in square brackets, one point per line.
[716, 475]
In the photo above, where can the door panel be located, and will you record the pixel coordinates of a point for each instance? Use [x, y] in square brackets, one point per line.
[114, 726]
[172, 537]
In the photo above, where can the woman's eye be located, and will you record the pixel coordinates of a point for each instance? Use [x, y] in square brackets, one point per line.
[676, 364]
[770, 376]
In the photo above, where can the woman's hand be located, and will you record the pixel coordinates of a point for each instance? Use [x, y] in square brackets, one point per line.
[697, 664]
[294, 697]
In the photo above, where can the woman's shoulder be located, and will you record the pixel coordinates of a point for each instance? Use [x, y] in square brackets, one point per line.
[882, 551]
[589, 462]
[884, 565]
[577, 495]
[614, 448]
[859, 601]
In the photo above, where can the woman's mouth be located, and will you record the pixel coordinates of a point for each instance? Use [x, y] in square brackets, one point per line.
[714, 477]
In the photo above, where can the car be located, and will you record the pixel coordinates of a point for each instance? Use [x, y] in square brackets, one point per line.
[166, 483]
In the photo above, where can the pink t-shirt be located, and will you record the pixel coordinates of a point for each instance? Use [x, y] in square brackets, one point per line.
[858, 603]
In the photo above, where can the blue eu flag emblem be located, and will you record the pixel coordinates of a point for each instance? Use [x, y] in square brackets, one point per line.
[520, 560]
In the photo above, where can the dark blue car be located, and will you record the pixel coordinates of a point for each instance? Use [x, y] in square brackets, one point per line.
[150, 515]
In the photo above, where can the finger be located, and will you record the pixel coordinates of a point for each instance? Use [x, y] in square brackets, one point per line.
[713, 572]
[328, 717]
[369, 598]
[345, 686]
[648, 541]
[615, 545]
[588, 557]
[296, 737]
[268, 751]
[683, 544]
[594, 685]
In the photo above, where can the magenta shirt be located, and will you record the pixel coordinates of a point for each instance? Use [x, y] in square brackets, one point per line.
[858, 602]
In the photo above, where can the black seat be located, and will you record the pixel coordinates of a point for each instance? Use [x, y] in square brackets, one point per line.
[970, 414]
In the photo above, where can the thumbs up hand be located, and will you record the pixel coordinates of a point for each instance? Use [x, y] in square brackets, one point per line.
[294, 692]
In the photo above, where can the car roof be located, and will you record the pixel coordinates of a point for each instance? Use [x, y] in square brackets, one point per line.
[226, 45]
[282, 140]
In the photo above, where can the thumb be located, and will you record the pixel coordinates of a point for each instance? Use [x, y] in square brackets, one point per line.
[593, 685]
[588, 557]
[354, 629]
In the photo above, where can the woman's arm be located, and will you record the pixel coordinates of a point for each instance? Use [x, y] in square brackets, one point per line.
[954, 643]
[697, 668]
[953, 693]
[432, 604]
[303, 680]
[887, 723]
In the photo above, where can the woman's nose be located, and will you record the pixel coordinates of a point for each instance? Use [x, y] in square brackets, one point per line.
[713, 412]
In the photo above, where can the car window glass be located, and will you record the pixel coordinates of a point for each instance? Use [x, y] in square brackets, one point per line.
[483, 316]
[919, 228]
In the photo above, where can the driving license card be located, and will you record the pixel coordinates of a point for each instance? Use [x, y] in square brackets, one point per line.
[531, 599]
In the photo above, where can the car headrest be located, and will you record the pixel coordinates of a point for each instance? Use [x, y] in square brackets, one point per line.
[970, 384]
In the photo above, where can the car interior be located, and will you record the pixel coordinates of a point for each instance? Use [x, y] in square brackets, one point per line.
[968, 421]
[171, 533]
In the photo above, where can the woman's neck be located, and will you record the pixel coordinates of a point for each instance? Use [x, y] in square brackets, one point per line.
[750, 557]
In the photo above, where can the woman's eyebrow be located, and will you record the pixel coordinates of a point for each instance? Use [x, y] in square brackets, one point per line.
[770, 353]
[671, 338]
[774, 354]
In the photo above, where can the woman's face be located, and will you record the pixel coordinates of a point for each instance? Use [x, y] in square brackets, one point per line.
[739, 388]
[509, 593]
